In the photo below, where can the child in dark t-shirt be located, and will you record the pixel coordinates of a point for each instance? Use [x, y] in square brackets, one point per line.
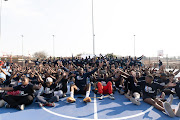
[149, 88]
[24, 98]
[48, 97]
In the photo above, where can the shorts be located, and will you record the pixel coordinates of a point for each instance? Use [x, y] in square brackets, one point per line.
[80, 91]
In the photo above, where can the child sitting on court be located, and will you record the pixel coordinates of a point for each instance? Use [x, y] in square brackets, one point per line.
[149, 88]
[105, 87]
[81, 86]
[48, 96]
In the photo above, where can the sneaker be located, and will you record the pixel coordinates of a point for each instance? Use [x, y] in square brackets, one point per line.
[111, 96]
[21, 107]
[177, 110]
[162, 96]
[64, 95]
[87, 99]
[134, 101]
[41, 104]
[170, 99]
[2, 103]
[168, 109]
[50, 104]
[7, 105]
[70, 100]
[101, 97]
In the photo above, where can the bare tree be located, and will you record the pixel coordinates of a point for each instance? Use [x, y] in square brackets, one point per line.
[111, 55]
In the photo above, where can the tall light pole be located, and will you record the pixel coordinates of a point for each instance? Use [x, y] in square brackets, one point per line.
[22, 50]
[0, 16]
[53, 47]
[93, 29]
[167, 61]
[134, 46]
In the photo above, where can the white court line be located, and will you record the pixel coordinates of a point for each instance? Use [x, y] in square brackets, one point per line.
[121, 118]
[95, 108]
[64, 116]
[95, 113]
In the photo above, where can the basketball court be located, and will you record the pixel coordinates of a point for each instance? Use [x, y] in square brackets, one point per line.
[119, 109]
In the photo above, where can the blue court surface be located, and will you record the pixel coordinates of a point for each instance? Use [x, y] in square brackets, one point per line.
[118, 109]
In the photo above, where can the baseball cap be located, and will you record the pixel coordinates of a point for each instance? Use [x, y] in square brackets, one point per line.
[49, 79]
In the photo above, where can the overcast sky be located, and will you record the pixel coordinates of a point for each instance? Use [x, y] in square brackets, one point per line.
[156, 24]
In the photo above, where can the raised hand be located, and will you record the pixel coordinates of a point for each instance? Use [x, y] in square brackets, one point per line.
[64, 74]
[108, 63]
[60, 63]
[101, 64]
[133, 73]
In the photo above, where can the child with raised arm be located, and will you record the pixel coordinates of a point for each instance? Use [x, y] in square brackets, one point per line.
[149, 88]
[24, 98]
[81, 86]
[48, 97]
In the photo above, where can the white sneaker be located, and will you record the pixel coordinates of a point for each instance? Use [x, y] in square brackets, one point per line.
[101, 97]
[170, 99]
[162, 96]
[168, 109]
[2, 103]
[177, 110]
[111, 96]
[41, 104]
[21, 107]
[134, 101]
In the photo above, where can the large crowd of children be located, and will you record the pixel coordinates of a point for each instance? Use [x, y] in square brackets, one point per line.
[48, 80]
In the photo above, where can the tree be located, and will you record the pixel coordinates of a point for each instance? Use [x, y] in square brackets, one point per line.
[111, 55]
[40, 55]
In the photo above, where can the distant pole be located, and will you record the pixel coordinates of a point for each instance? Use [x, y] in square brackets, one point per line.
[22, 50]
[134, 46]
[167, 61]
[53, 47]
[179, 62]
[93, 29]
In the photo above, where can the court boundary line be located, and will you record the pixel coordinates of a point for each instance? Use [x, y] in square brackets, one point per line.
[95, 108]
[121, 118]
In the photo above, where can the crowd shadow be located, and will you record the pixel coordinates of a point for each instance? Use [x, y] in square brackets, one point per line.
[33, 106]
